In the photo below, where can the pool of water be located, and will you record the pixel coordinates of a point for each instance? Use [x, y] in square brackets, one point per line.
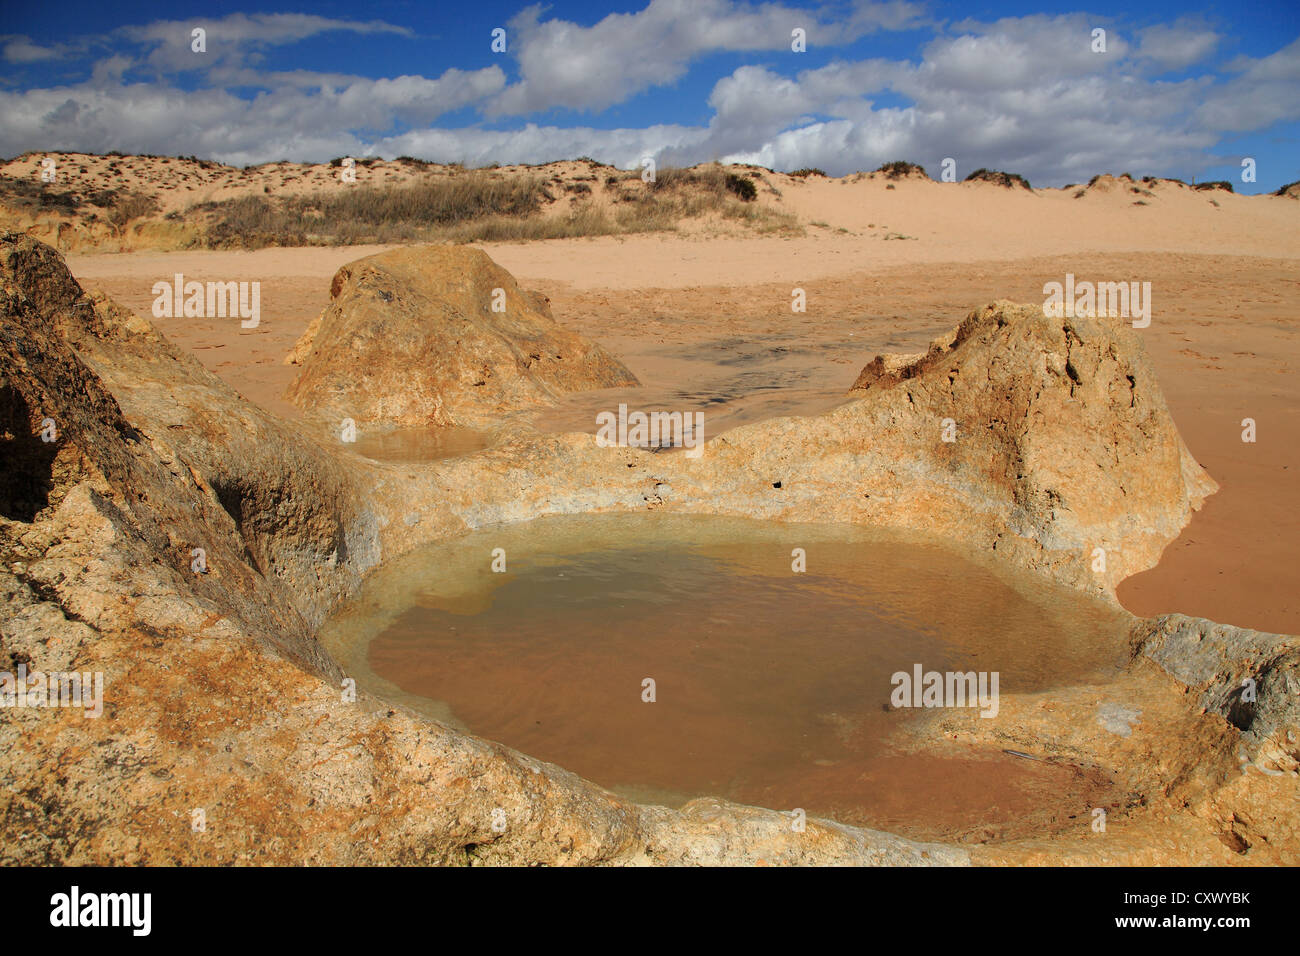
[771, 686]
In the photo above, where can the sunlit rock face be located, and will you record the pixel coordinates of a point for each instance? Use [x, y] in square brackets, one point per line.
[1056, 425]
[439, 335]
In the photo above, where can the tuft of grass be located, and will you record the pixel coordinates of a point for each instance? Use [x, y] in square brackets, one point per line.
[806, 171]
[1217, 184]
[711, 178]
[678, 194]
[742, 186]
[900, 169]
[1283, 190]
[584, 220]
[119, 206]
[28, 194]
[998, 178]
[709, 183]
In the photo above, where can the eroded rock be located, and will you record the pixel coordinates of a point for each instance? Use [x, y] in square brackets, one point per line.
[1250, 678]
[218, 698]
[227, 735]
[1062, 456]
[1061, 422]
[439, 335]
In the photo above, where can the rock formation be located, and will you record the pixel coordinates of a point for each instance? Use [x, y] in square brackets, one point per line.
[1059, 421]
[220, 705]
[439, 335]
[217, 697]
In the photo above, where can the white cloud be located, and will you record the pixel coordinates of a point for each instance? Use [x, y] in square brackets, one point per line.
[20, 49]
[1263, 92]
[563, 64]
[1025, 94]
[539, 144]
[1177, 46]
[236, 38]
[287, 122]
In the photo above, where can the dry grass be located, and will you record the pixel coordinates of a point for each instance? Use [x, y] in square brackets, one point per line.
[128, 207]
[1005, 180]
[419, 210]
[480, 206]
[901, 169]
[117, 207]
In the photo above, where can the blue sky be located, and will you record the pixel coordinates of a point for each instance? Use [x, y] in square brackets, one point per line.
[1178, 91]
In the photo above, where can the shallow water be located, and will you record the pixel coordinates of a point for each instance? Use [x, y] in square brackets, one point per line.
[772, 687]
[419, 444]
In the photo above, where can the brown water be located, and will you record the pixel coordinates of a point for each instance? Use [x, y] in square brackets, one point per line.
[772, 687]
[419, 444]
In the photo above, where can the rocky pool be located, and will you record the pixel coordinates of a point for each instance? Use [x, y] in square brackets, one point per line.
[669, 657]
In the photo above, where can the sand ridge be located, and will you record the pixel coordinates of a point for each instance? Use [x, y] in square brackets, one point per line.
[860, 218]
